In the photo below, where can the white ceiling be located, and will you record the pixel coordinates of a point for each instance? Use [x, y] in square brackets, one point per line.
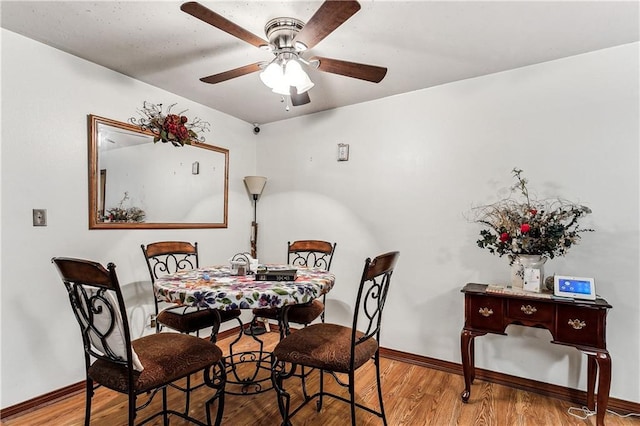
[422, 43]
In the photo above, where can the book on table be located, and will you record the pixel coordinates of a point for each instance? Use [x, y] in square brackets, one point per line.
[277, 275]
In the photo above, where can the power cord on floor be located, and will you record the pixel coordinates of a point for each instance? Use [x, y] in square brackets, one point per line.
[583, 413]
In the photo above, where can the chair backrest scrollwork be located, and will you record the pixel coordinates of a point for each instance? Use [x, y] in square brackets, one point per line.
[372, 295]
[311, 253]
[168, 257]
[98, 305]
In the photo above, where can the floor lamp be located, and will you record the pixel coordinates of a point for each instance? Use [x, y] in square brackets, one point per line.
[255, 185]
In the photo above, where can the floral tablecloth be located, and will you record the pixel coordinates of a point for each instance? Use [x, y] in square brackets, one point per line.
[215, 287]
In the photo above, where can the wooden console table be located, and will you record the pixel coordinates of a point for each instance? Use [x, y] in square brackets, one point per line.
[581, 324]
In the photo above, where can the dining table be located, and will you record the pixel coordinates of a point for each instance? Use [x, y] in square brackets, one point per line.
[217, 288]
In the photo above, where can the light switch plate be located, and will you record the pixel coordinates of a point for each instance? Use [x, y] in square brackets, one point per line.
[343, 152]
[39, 217]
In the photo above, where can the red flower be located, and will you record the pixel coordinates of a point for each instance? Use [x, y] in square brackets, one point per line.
[533, 212]
[504, 237]
[183, 133]
[524, 228]
[183, 119]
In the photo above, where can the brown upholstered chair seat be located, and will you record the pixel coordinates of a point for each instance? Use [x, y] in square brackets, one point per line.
[300, 314]
[192, 321]
[324, 346]
[161, 364]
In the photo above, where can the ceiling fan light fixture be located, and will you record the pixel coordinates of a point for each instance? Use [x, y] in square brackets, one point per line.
[272, 76]
[279, 76]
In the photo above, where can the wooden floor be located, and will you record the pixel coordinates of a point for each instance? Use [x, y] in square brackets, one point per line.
[414, 396]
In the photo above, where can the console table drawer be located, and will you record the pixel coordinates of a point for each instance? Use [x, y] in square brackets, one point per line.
[580, 326]
[484, 313]
[531, 311]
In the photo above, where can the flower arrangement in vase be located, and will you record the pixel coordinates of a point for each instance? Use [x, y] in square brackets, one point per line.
[529, 227]
[122, 214]
[168, 127]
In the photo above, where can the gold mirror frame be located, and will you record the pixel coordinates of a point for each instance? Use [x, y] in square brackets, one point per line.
[97, 180]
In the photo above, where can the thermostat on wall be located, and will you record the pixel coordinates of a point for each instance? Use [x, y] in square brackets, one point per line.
[574, 287]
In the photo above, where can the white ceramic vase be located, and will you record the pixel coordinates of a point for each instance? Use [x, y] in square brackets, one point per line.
[522, 261]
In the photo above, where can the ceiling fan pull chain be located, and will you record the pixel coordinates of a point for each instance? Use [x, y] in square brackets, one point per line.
[285, 101]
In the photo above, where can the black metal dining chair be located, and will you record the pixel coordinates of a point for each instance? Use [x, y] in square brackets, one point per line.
[335, 348]
[168, 257]
[304, 253]
[146, 365]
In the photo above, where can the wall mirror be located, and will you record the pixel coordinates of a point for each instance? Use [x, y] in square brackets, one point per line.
[136, 183]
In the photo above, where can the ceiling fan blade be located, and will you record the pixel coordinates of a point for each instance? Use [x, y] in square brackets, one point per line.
[228, 75]
[371, 73]
[298, 99]
[330, 16]
[210, 17]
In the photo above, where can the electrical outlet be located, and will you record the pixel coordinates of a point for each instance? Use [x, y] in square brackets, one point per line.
[152, 321]
[39, 217]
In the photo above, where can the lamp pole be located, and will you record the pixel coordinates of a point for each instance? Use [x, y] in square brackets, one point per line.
[254, 228]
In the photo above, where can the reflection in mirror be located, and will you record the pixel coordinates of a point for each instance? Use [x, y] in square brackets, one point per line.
[136, 183]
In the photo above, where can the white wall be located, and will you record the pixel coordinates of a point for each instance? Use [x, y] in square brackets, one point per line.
[46, 97]
[419, 161]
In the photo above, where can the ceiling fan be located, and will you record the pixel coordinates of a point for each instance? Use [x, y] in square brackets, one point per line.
[288, 39]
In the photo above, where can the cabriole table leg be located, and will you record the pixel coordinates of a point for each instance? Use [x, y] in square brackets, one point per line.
[467, 349]
[592, 371]
[604, 384]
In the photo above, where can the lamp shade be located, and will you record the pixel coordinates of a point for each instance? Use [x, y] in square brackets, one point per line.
[272, 76]
[305, 85]
[293, 72]
[255, 184]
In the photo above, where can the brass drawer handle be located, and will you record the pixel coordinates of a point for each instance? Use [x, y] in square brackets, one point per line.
[529, 310]
[485, 312]
[577, 324]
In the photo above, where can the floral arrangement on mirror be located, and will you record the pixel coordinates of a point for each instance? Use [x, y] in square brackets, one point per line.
[168, 127]
[547, 227]
[122, 214]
